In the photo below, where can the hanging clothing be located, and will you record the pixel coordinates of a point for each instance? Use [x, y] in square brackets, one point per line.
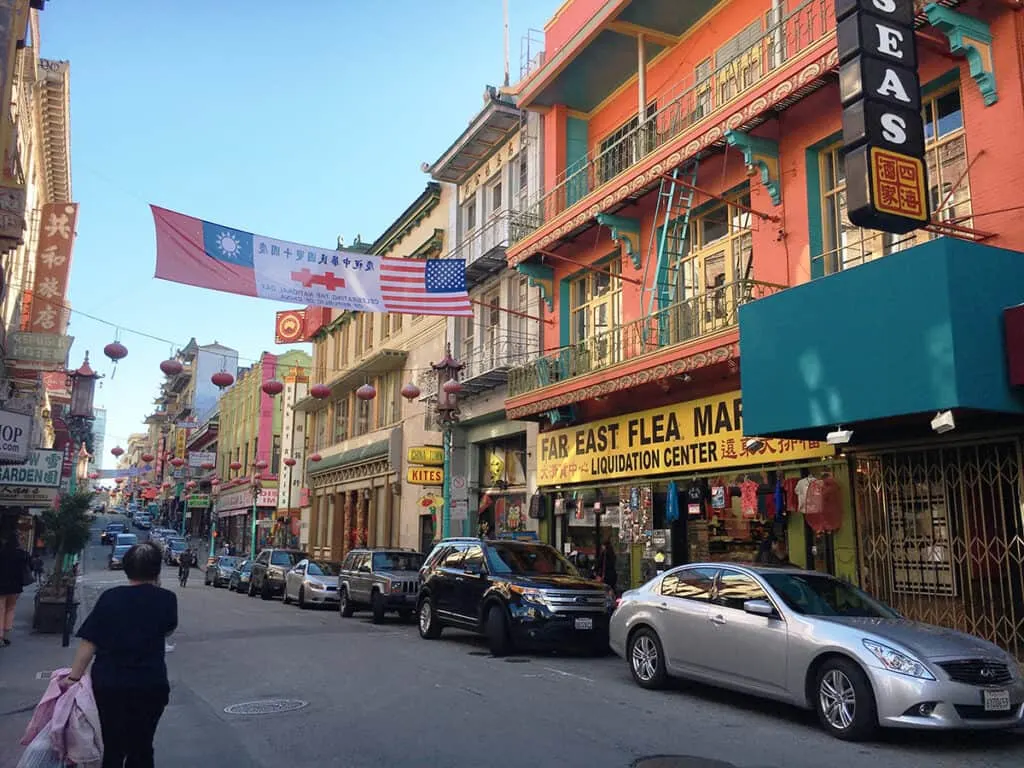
[695, 500]
[748, 498]
[672, 503]
[824, 505]
[801, 493]
[792, 502]
[719, 497]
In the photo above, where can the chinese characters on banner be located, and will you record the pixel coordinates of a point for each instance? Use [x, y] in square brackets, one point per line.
[53, 265]
[883, 131]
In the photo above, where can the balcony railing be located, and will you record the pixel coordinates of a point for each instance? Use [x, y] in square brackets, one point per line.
[688, 320]
[483, 241]
[487, 365]
[684, 105]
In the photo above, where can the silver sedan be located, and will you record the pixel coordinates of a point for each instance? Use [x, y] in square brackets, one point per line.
[808, 639]
[312, 581]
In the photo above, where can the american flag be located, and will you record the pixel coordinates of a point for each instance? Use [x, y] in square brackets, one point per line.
[425, 287]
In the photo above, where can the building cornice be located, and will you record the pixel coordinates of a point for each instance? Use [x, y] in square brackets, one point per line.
[55, 111]
[410, 218]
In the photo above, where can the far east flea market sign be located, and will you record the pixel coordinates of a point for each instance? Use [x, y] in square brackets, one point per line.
[695, 436]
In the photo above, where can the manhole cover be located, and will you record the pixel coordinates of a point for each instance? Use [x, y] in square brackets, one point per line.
[517, 661]
[266, 707]
[679, 761]
[479, 653]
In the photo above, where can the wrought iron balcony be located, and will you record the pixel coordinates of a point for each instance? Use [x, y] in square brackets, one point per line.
[688, 320]
[483, 249]
[703, 95]
[487, 366]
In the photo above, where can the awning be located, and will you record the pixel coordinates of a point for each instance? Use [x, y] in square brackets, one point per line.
[352, 456]
[491, 128]
[914, 332]
[381, 361]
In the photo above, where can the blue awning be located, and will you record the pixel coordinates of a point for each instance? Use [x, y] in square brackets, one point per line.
[911, 333]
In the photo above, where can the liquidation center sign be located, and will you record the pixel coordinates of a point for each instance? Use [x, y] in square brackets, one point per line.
[695, 436]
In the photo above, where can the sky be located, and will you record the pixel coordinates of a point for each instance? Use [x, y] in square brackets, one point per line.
[301, 125]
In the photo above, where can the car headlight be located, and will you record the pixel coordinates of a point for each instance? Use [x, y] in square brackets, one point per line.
[896, 661]
[534, 596]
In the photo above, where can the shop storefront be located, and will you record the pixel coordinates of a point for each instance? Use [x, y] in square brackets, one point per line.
[235, 508]
[25, 490]
[682, 484]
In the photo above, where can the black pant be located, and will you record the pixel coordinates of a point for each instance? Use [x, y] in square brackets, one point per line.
[128, 719]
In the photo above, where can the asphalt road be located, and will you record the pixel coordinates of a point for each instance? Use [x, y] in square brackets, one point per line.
[382, 696]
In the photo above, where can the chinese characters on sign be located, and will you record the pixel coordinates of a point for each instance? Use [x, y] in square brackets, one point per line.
[56, 237]
[694, 436]
[883, 132]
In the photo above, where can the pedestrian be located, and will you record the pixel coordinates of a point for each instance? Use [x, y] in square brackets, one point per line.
[226, 549]
[124, 637]
[184, 567]
[607, 566]
[774, 552]
[37, 566]
[15, 575]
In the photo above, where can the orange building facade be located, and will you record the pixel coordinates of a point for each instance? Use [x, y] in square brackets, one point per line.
[692, 168]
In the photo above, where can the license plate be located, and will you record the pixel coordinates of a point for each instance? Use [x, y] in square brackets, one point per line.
[997, 701]
[587, 623]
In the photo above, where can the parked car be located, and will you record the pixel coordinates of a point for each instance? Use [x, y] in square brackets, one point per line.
[515, 593]
[108, 534]
[269, 569]
[382, 580]
[811, 640]
[116, 560]
[219, 570]
[239, 581]
[312, 581]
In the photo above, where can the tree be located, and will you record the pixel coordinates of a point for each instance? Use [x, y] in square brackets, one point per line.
[67, 530]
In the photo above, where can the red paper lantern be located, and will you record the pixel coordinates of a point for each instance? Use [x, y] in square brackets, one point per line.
[207, 465]
[320, 391]
[410, 391]
[115, 350]
[119, 480]
[171, 367]
[94, 475]
[452, 387]
[315, 457]
[147, 457]
[177, 462]
[261, 464]
[273, 387]
[289, 462]
[222, 379]
[235, 465]
[366, 392]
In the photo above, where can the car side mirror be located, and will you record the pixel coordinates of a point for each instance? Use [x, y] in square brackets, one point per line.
[759, 608]
[364, 569]
[474, 570]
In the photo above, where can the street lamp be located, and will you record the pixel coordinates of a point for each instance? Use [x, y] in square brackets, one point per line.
[80, 413]
[448, 389]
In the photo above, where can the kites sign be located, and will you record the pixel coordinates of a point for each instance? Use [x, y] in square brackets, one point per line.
[883, 132]
[208, 255]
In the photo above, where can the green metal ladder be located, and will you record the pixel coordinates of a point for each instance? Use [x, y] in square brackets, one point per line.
[675, 201]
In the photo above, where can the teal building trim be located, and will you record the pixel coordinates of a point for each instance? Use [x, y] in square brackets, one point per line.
[540, 276]
[915, 332]
[577, 183]
[972, 38]
[625, 231]
[761, 154]
[815, 215]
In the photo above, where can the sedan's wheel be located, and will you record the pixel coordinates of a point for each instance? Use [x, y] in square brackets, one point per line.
[378, 608]
[496, 629]
[302, 598]
[265, 591]
[430, 627]
[844, 701]
[252, 589]
[345, 608]
[646, 659]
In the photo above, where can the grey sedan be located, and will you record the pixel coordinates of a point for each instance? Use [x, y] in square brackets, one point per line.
[808, 639]
[312, 581]
[218, 573]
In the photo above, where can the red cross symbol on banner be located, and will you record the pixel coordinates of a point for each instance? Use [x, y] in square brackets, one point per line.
[327, 280]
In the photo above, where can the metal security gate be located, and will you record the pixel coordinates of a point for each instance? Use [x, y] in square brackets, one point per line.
[942, 536]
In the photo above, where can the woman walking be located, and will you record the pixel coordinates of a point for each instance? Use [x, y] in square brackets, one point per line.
[125, 634]
[14, 574]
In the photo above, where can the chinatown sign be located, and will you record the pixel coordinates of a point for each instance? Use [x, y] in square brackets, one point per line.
[695, 436]
[42, 469]
[883, 130]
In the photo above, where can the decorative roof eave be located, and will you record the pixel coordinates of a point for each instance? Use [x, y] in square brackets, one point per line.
[410, 218]
[432, 247]
[491, 128]
[55, 108]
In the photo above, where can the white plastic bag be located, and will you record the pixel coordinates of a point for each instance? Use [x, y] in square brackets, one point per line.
[40, 753]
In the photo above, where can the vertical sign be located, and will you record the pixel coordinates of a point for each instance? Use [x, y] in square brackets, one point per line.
[53, 264]
[883, 133]
[179, 443]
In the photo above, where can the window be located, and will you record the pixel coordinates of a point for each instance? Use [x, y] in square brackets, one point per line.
[715, 260]
[625, 145]
[738, 63]
[474, 559]
[497, 199]
[468, 340]
[341, 418]
[343, 348]
[387, 400]
[469, 216]
[491, 330]
[735, 588]
[364, 416]
[596, 309]
[690, 583]
[359, 334]
[453, 559]
[336, 343]
[396, 323]
[523, 183]
[320, 359]
[844, 245]
[702, 90]
[275, 455]
[521, 339]
[368, 325]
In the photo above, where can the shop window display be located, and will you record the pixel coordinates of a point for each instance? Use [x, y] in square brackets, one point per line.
[503, 507]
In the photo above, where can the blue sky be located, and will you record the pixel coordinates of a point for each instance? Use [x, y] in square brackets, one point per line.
[302, 125]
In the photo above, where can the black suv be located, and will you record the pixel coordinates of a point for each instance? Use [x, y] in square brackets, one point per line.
[269, 569]
[515, 593]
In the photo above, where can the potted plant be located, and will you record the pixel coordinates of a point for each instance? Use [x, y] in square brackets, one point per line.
[66, 530]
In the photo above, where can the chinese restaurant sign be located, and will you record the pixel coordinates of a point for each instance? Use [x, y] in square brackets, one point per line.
[696, 436]
[883, 132]
[39, 349]
[53, 264]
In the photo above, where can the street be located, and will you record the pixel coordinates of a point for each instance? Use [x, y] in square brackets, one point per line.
[379, 695]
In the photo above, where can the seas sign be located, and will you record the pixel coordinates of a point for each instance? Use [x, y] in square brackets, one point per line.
[42, 469]
[695, 436]
[883, 131]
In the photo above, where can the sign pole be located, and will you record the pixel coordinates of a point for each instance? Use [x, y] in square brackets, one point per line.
[446, 484]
